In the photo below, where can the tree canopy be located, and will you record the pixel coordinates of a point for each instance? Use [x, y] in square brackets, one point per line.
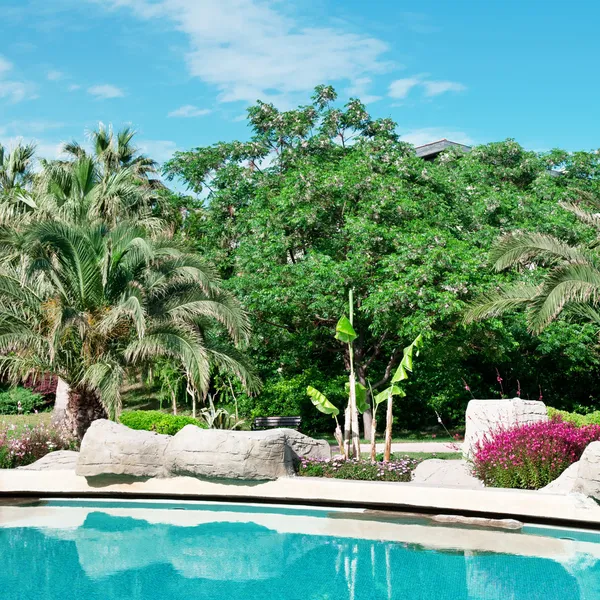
[324, 198]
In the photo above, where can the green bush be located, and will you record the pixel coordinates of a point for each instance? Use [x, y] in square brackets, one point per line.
[154, 420]
[286, 397]
[592, 418]
[29, 402]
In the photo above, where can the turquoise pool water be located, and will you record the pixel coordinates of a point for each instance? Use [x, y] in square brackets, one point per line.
[116, 551]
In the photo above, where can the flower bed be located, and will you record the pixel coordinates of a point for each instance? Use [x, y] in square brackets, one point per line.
[531, 456]
[399, 469]
[20, 448]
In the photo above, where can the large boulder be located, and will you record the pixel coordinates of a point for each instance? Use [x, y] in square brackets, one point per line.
[303, 446]
[565, 483]
[112, 449]
[446, 473]
[249, 455]
[484, 416]
[588, 473]
[61, 460]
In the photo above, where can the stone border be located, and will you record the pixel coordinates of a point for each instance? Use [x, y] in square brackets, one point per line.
[529, 506]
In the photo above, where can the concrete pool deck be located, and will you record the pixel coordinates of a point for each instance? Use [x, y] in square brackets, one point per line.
[529, 506]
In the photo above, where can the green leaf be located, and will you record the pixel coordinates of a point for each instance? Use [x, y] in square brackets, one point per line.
[321, 403]
[361, 396]
[406, 365]
[344, 331]
[383, 396]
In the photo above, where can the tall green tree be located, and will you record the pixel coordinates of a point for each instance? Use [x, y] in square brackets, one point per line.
[100, 302]
[325, 198]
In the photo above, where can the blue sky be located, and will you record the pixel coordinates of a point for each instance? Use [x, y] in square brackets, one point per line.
[183, 71]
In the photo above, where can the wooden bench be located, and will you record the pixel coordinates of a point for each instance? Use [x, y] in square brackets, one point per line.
[274, 422]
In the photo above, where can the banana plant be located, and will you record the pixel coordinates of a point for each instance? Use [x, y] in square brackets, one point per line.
[344, 331]
[323, 405]
[402, 373]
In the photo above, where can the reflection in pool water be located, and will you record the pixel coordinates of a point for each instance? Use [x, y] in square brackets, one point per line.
[121, 553]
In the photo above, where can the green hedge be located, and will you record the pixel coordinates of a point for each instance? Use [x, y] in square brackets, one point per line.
[30, 402]
[154, 420]
[592, 418]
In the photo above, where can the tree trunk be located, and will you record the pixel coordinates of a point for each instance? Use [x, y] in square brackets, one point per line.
[174, 402]
[373, 439]
[83, 407]
[388, 431]
[60, 402]
[367, 416]
[354, 419]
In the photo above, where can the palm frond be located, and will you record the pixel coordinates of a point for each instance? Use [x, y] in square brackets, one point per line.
[495, 304]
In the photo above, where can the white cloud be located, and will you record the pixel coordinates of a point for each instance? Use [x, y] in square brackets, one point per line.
[159, 150]
[426, 135]
[359, 89]
[73, 87]
[189, 110]
[21, 128]
[434, 88]
[14, 91]
[249, 49]
[106, 91]
[5, 65]
[55, 75]
[401, 87]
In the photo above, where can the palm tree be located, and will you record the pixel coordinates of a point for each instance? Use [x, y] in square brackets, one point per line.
[113, 152]
[571, 280]
[100, 302]
[15, 167]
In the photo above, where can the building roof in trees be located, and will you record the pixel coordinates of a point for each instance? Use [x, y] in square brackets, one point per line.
[432, 150]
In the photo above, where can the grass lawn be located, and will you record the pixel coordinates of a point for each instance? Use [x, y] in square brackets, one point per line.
[428, 455]
[21, 421]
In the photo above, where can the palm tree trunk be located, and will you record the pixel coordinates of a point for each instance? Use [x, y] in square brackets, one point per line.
[83, 407]
[60, 401]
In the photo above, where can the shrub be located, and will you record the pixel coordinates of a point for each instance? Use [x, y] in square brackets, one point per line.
[154, 420]
[286, 397]
[531, 456]
[20, 401]
[592, 418]
[31, 444]
[338, 468]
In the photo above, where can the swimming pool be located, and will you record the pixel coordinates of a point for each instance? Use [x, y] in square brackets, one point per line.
[71, 549]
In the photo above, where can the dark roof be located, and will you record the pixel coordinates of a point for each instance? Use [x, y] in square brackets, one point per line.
[430, 151]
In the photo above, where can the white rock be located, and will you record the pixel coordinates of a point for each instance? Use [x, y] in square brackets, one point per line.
[109, 448]
[251, 455]
[303, 446]
[588, 475]
[484, 416]
[446, 473]
[61, 460]
[564, 483]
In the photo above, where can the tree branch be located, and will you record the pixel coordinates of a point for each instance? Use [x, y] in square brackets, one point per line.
[388, 370]
[376, 350]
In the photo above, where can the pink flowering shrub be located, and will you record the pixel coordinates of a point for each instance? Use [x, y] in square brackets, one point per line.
[399, 469]
[531, 456]
[30, 444]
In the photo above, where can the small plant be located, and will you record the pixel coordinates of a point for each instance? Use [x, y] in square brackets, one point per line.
[530, 456]
[20, 401]
[31, 444]
[154, 420]
[401, 374]
[323, 405]
[399, 470]
[219, 418]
